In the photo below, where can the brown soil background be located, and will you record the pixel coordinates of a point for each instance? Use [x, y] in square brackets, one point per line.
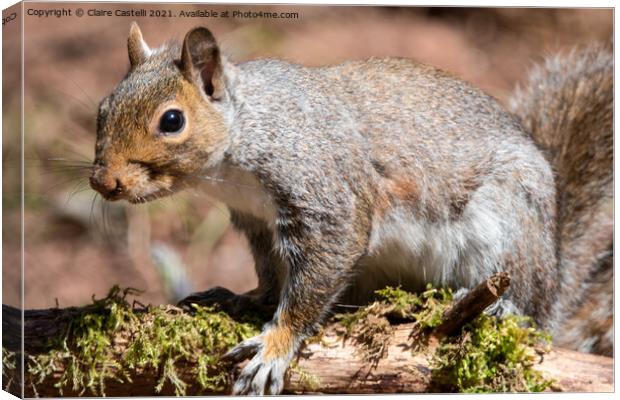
[72, 253]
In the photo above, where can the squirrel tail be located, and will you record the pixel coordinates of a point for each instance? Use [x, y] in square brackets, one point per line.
[567, 105]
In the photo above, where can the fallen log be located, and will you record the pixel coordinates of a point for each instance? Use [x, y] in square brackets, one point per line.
[338, 370]
[333, 364]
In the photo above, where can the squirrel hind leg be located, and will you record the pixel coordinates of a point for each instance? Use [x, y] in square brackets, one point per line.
[591, 327]
[502, 308]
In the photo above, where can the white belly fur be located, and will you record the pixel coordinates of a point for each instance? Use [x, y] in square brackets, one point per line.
[410, 252]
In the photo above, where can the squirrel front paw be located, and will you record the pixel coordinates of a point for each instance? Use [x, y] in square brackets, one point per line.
[235, 305]
[216, 295]
[272, 353]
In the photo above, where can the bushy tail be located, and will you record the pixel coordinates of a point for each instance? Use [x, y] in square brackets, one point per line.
[567, 105]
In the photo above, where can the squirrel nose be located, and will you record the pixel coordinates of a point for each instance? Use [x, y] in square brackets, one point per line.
[110, 187]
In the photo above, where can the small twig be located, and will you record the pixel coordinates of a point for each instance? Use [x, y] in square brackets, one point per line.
[473, 304]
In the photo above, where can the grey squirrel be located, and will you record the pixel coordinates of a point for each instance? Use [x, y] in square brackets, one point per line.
[351, 177]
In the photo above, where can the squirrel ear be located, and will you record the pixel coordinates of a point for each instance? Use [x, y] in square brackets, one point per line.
[201, 61]
[138, 49]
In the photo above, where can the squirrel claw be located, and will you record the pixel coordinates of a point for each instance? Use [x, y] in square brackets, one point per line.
[262, 377]
[244, 350]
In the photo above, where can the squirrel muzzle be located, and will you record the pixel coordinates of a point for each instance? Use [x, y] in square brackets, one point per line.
[109, 186]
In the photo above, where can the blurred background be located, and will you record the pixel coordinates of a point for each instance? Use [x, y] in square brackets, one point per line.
[77, 246]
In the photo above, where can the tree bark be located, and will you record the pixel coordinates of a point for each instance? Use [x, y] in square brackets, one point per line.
[333, 365]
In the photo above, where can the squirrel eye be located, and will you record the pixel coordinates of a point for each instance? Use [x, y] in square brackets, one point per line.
[171, 122]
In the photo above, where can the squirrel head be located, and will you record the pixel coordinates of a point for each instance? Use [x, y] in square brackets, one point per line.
[162, 126]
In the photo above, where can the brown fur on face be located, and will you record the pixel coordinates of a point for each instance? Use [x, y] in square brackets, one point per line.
[134, 160]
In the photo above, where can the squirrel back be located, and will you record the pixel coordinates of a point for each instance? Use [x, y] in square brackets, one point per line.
[567, 105]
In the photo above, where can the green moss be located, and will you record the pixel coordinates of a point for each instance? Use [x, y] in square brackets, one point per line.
[492, 355]
[114, 338]
[8, 360]
[307, 380]
[425, 308]
[370, 326]
[489, 355]
[8, 365]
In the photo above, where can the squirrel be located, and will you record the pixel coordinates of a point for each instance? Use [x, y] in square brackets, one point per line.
[348, 178]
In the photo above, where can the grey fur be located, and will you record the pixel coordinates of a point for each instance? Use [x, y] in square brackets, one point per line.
[567, 104]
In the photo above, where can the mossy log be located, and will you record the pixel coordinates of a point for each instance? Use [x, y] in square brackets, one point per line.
[337, 369]
[333, 364]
